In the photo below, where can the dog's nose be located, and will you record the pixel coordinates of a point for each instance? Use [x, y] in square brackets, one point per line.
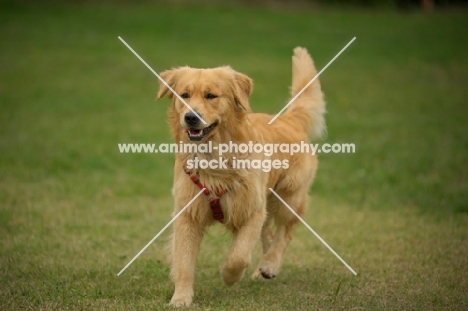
[191, 119]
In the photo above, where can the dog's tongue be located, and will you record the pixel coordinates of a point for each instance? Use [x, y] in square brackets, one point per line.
[195, 132]
[192, 132]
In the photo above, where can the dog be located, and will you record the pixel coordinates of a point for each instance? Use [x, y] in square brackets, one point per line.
[239, 198]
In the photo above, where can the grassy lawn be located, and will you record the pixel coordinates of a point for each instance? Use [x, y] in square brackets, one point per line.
[74, 211]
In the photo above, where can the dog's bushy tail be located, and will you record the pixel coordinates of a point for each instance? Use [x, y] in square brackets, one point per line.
[309, 107]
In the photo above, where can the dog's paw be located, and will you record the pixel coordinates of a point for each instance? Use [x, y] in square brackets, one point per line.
[231, 276]
[181, 301]
[270, 266]
[266, 273]
[269, 269]
[262, 273]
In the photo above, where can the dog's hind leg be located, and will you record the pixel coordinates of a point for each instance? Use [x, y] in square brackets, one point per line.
[271, 261]
[266, 237]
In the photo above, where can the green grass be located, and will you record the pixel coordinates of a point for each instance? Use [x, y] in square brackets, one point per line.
[73, 211]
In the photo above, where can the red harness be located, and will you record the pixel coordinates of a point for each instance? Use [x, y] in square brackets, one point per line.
[214, 200]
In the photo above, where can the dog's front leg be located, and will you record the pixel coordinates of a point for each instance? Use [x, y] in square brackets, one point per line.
[242, 246]
[187, 237]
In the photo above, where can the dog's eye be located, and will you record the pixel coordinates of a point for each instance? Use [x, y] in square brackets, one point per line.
[185, 95]
[210, 96]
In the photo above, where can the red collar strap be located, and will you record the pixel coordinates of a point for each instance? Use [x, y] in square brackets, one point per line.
[213, 199]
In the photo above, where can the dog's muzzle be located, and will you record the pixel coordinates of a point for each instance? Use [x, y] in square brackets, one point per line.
[193, 124]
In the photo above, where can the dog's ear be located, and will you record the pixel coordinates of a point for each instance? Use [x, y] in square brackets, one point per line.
[242, 90]
[169, 77]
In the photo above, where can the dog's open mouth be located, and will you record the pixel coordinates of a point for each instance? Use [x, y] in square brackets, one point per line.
[197, 135]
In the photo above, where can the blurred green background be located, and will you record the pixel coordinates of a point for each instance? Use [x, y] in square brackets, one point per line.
[74, 211]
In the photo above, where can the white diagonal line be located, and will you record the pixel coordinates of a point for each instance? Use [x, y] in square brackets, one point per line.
[160, 232]
[161, 79]
[311, 81]
[315, 233]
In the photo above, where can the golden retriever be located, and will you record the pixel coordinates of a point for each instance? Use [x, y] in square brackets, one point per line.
[220, 96]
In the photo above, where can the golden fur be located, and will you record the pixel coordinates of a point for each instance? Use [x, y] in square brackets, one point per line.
[221, 97]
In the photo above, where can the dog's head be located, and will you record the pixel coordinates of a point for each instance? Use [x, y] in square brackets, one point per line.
[220, 96]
